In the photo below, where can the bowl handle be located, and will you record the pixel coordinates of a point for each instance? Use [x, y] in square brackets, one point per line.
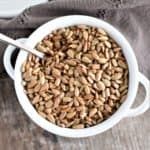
[146, 104]
[7, 58]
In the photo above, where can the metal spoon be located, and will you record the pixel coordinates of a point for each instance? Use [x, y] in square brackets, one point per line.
[17, 44]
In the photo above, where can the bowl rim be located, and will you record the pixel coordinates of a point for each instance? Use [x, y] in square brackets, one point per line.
[133, 78]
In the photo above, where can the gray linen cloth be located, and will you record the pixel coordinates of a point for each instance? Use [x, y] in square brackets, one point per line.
[131, 17]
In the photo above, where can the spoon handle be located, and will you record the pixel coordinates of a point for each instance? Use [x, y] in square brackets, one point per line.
[17, 44]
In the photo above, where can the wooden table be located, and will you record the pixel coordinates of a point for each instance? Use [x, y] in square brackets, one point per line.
[18, 132]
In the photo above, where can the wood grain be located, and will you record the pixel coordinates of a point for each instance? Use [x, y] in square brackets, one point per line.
[18, 132]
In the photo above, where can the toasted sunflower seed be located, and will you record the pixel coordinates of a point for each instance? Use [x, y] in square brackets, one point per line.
[82, 80]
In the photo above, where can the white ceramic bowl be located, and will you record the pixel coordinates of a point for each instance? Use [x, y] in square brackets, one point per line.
[11, 8]
[135, 77]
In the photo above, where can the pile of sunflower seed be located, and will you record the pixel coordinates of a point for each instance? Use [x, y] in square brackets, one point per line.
[82, 80]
